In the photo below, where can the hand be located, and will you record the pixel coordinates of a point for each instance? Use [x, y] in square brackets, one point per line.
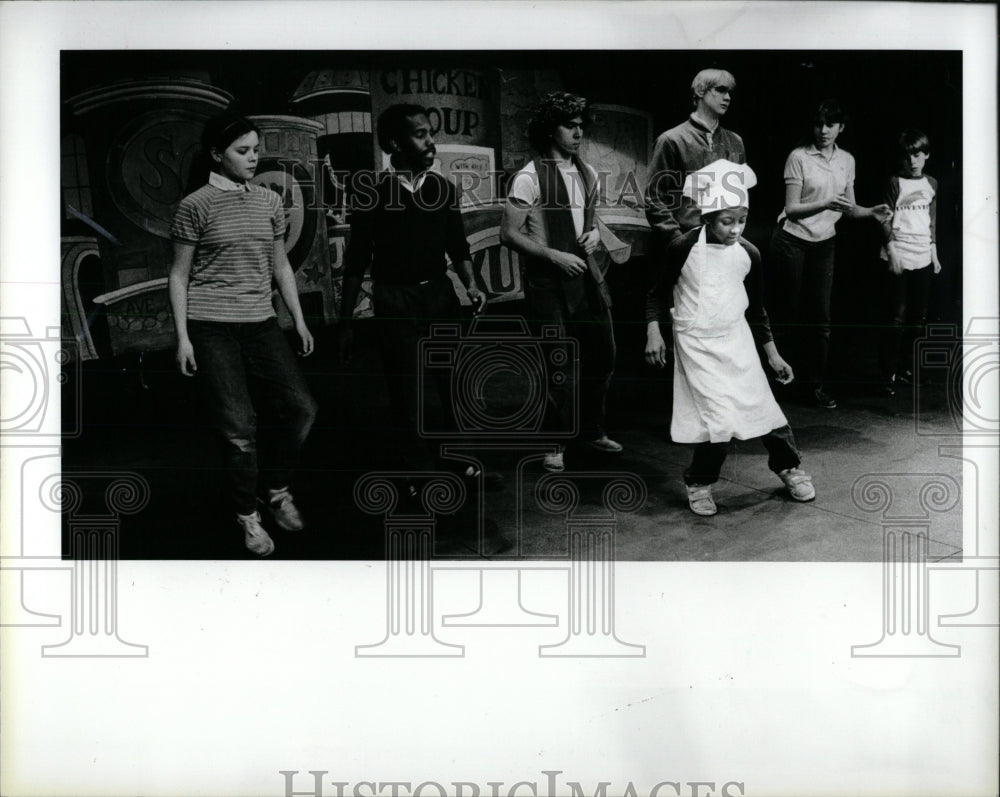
[306, 337]
[345, 343]
[656, 349]
[570, 264]
[781, 368]
[185, 358]
[589, 241]
[841, 204]
[895, 264]
[937, 264]
[478, 299]
[882, 213]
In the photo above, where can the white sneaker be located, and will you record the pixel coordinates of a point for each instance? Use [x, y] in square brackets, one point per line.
[700, 499]
[553, 463]
[605, 445]
[257, 540]
[799, 484]
[283, 510]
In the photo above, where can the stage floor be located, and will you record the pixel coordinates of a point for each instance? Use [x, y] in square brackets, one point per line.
[147, 420]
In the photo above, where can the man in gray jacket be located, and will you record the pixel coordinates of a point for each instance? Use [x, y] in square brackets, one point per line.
[693, 144]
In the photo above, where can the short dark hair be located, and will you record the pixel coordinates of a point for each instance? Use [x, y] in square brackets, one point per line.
[223, 129]
[391, 125]
[555, 109]
[829, 112]
[912, 140]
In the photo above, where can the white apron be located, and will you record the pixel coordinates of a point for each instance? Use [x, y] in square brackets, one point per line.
[720, 388]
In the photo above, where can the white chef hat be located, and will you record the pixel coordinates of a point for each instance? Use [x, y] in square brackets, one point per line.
[722, 185]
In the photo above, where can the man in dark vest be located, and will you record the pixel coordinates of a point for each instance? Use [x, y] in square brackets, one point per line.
[549, 219]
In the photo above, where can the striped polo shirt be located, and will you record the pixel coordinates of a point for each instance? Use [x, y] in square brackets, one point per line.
[233, 227]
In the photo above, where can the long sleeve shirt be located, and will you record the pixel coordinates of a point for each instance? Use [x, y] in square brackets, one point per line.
[661, 298]
[403, 235]
[678, 152]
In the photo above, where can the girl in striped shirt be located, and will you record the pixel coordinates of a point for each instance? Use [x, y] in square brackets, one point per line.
[229, 244]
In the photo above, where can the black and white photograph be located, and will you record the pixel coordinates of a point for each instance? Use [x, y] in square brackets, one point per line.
[474, 315]
[622, 378]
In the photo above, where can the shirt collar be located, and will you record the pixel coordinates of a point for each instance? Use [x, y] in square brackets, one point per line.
[812, 150]
[414, 185]
[224, 183]
[699, 122]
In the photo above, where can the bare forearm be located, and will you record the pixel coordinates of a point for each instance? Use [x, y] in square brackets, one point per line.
[803, 210]
[466, 274]
[520, 242]
[289, 291]
[177, 288]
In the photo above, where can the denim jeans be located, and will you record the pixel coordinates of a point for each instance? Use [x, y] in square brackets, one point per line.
[594, 334]
[706, 464]
[801, 283]
[246, 370]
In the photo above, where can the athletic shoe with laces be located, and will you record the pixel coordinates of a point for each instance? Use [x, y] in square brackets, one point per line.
[257, 540]
[700, 499]
[553, 462]
[605, 445]
[824, 399]
[283, 510]
[799, 484]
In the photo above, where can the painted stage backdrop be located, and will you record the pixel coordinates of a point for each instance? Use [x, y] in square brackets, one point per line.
[131, 152]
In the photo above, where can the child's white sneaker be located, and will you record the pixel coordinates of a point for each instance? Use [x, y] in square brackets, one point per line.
[553, 462]
[700, 499]
[799, 484]
[283, 510]
[257, 540]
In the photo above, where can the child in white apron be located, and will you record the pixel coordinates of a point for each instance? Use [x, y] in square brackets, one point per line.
[721, 391]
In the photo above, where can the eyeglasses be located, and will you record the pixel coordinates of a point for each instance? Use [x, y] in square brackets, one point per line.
[724, 91]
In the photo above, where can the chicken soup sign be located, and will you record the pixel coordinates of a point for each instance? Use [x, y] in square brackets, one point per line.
[458, 102]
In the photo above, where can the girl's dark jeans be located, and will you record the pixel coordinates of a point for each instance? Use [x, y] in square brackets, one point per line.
[252, 384]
